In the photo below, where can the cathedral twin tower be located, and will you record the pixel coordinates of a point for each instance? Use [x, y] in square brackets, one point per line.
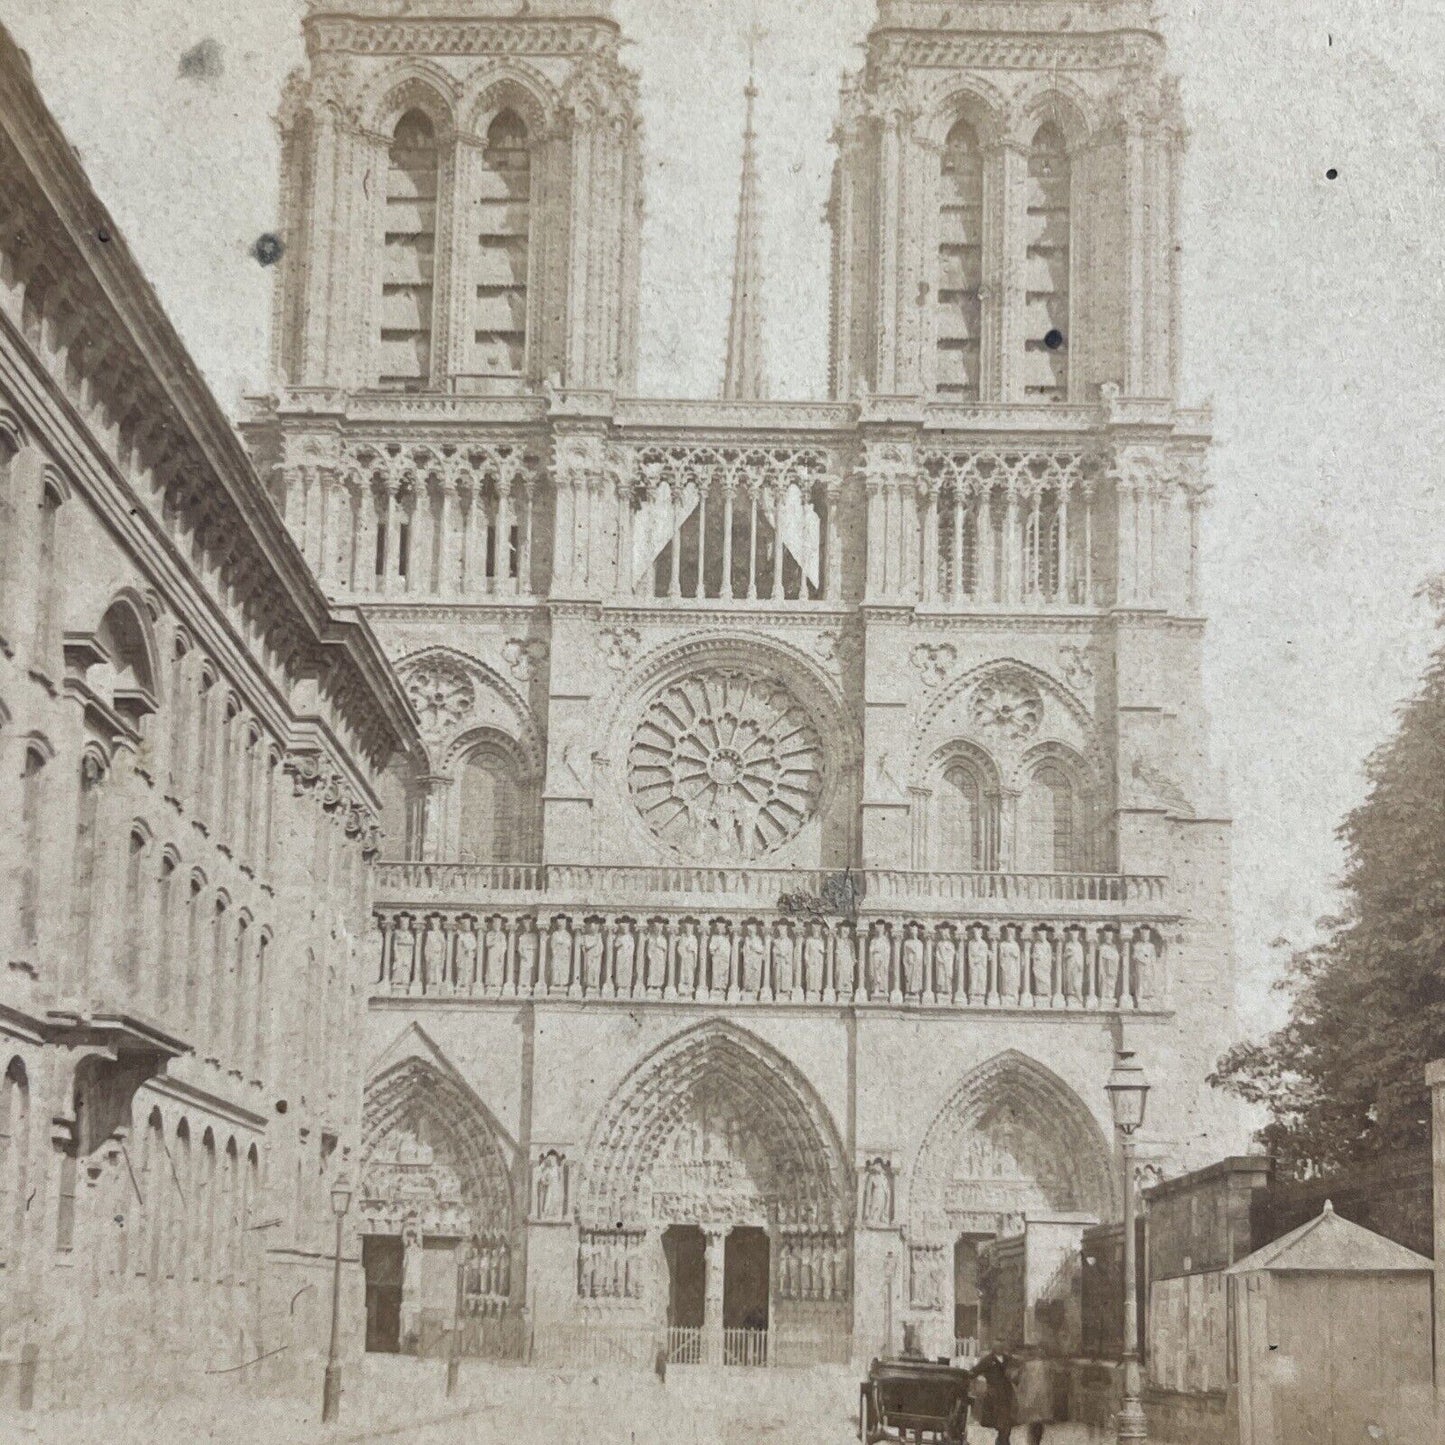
[813, 795]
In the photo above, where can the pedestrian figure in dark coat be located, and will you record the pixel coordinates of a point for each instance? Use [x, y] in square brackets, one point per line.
[996, 1409]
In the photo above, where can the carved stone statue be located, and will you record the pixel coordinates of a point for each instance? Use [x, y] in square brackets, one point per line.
[686, 951]
[844, 962]
[977, 967]
[815, 959]
[411, 1286]
[720, 959]
[1108, 971]
[945, 962]
[494, 956]
[590, 952]
[624, 960]
[877, 1193]
[754, 954]
[783, 980]
[656, 958]
[1073, 968]
[1010, 967]
[879, 962]
[913, 962]
[526, 956]
[433, 956]
[559, 957]
[550, 1203]
[466, 956]
[1145, 958]
[403, 949]
[1041, 968]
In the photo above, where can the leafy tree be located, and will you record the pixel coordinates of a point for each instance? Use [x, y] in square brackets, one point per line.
[1343, 1080]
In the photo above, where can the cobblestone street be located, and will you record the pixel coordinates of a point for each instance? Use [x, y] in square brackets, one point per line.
[405, 1402]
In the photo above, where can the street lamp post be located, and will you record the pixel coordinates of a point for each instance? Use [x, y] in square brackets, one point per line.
[331, 1389]
[1128, 1093]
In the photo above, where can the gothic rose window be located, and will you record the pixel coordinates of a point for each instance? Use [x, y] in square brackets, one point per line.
[725, 765]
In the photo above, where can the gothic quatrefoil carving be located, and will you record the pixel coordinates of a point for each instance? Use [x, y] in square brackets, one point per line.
[1011, 706]
[725, 766]
[441, 693]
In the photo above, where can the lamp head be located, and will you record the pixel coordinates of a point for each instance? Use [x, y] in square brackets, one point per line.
[1128, 1091]
[340, 1196]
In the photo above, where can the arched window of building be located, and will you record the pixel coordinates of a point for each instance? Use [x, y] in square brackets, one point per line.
[258, 1009]
[180, 721]
[205, 1207]
[87, 851]
[492, 825]
[1055, 840]
[195, 935]
[45, 641]
[409, 254]
[137, 914]
[1047, 231]
[182, 1203]
[206, 692]
[155, 1177]
[504, 227]
[231, 1218]
[219, 961]
[960, 264]
[251, 1194]
[240, 992]
[966, 828]
[230, 741]
[32, 810]
[14, 1159]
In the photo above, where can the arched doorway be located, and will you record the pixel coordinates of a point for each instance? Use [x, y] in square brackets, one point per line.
[719, 1158]
[1012, 1143]
[437, 1214]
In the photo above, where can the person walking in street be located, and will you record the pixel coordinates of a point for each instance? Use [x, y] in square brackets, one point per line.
[1033, 1393]
[996, 1409]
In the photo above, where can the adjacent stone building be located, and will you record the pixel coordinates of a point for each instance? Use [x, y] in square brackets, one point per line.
[813, 793]
[190, 742]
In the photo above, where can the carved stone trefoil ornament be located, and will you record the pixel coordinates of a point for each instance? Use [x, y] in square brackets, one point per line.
[725, 766]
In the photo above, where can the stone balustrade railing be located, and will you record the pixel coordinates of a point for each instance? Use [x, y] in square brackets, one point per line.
[513, 953]
[1072, 894]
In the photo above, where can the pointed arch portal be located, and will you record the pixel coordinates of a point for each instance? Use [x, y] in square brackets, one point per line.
[436, 1195]
[716, 1127]
[1013, 1139]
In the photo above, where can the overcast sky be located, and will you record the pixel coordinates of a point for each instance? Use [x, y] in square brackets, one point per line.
[1314, 314]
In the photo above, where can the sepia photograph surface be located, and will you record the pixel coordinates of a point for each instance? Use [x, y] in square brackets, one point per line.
[722, 723]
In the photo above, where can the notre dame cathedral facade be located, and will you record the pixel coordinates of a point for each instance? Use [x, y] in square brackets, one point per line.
[814, 795]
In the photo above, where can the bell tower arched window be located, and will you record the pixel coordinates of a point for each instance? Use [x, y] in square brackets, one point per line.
[960, 264]
[1054, 823]
[504, 231]
[966, 830]
[492, 825]
[409, 254]
[1047, 225]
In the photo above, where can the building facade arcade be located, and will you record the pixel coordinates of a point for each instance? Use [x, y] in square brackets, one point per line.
[814, 794]
[191, 740]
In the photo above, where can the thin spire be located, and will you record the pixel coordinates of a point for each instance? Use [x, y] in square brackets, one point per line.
[745, 379]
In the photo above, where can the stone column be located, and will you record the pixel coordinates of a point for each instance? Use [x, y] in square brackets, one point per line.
[1435, 1081]
[714, 1245]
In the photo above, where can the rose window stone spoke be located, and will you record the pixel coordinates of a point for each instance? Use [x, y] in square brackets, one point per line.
[725, 766]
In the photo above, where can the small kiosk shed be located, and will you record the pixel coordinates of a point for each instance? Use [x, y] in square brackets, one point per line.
[1330, 1339]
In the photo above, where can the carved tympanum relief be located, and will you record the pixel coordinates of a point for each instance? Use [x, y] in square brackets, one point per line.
[725, 765]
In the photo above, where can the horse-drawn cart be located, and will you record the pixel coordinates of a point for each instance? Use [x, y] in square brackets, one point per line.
[913, 1400]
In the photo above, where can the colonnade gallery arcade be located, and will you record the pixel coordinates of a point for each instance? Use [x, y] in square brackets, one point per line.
[814, 795]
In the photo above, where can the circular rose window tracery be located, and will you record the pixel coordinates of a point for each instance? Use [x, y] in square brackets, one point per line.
[725, 765]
